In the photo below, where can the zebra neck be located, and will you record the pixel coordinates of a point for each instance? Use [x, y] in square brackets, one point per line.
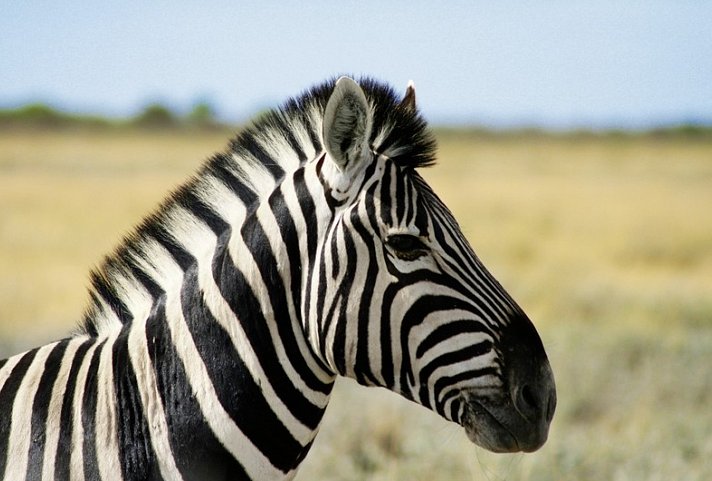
[266, 265]
[230, 320]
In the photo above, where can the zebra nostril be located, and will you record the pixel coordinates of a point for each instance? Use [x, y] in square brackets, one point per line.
[531, 382]
[527, 401]
[535, 402]
[528, 397]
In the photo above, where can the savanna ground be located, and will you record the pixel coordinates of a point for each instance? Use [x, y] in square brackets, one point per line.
[605, 241]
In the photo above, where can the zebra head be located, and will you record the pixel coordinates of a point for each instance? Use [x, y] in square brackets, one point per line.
[405, 303]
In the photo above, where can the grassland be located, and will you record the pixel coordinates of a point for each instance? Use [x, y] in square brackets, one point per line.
[605, 241]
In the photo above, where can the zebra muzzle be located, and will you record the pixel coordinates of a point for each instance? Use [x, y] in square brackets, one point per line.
[518, 417]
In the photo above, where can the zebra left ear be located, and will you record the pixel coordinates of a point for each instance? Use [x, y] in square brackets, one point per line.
[347, 124]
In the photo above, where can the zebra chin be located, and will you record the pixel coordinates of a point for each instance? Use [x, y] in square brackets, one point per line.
[498, 426]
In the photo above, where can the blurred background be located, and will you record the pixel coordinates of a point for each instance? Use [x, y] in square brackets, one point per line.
[575, 149]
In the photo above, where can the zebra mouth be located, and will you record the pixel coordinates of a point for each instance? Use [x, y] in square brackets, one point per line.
[486, 429]
[495, 422]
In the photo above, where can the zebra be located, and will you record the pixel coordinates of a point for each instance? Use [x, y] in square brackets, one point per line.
[311, 248]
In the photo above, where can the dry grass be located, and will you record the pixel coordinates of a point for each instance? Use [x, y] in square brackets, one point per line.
[66, 201]
[606, 243]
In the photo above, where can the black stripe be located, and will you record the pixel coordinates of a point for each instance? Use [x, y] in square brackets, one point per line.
[479, 283]
[306, 204]
[243, 400]
[448, 381]
[467, 301]
[401, 196]
[447, 331]
[40, 408]
[325, 318]
[448, 235]
[176, 250]
[190, 201]
[290, 241]
[417, 313]
[286, 131]
[91, 466]
[198, 454]
[467, 353]
[410, 200]
[365, 294]
[386, 198]
[334, 257]
[308, 208]
[108, 293]
[66, 419]
[153, 287]
[249, 143]
[218, 168]
[406, 372]
[314, 137]
[7, 398]
[136, 456]
[387, 365]
[338, 348]
[454, 409]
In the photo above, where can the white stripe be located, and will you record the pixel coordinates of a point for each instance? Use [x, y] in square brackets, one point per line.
[107, 446]
[8, 367]
[76, 466]
[278, 148]
[301, 134]
[221, 199]
[252, 172]
[151, 401]
[316, 192]
[104, 319]
[137, 300]
[55, 407]
[19, 442]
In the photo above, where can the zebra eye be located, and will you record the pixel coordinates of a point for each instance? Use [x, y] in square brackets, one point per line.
[406, 246]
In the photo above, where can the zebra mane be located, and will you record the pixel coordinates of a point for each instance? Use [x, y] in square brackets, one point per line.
[257, 159]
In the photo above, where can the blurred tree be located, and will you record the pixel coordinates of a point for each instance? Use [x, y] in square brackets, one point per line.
[202, 115]
[34, 115]
[155, 115]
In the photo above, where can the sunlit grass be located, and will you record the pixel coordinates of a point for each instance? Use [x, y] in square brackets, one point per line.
[66, 199]
[605, 242]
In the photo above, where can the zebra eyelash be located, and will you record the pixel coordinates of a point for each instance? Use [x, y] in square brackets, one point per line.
[406, 246]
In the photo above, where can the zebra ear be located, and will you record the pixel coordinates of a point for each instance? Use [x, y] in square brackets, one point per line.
[346, 128]
[408, 102]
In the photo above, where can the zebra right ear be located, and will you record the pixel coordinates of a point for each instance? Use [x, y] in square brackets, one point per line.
[347, 124]
[408, 102]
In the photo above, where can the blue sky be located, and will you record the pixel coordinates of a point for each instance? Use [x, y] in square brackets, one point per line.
[549, 63]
